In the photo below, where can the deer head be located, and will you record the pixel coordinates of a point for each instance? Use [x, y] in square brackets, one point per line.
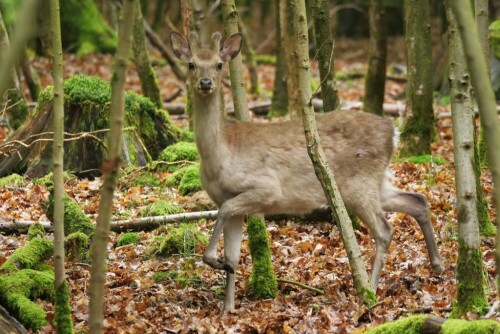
[205, 64]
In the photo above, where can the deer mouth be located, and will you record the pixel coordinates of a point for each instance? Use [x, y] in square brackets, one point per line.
[205, 90]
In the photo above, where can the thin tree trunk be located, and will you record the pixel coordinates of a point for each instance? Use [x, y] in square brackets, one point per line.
[486, 100]
[149, 83]
[418, 125]
[63, 321]
[110, 170]
[288, 34]
[250, 59]
[470, 293]
[258, 240]
[324, 46]
[315, 151]
[377, 59]
[279, 106]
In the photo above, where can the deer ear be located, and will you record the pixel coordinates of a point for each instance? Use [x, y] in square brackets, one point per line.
[231, 47]
[180, 46]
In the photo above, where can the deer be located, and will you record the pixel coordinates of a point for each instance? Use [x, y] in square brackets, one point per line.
[253, 168]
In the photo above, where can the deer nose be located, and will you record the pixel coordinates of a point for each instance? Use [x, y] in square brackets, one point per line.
[205, 84]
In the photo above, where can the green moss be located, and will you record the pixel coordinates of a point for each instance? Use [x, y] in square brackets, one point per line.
[181, 151]
[17, 289]
[75, 219]
[423, 159]
[29, 256]
[263, 279]
[147, 180]
[495, 37]
[128, 238]
[13, 180]
[486, 228]
[46, 95]
[187, 135]
[83, 89]
[265, 59]
[410, 325]
[77, 247]
[63, 320]
[48, 182]
[471, 280]
[183, 278]
[184, 240]
[176, 177]
[369, 297]
[160, 208]
[190, 182]
[456, 326]
[36, 231]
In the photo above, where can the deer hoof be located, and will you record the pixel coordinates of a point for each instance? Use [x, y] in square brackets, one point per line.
[438, 268]
[218, 263]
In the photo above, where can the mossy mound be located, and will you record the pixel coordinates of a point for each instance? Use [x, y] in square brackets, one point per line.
[13, 180]
[128, 238]
[179, 152]
[29, 256]
[36, 231]
[160, 208]
[187, 179]
[184, 240]
[146, 180]
[77, 247]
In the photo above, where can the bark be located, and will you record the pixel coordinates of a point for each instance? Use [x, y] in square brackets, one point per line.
[315, 151]
[263, 279]
[288, 34]
[486, 100]
[110, 169]
[279, 106]
[63, 321]
[10, 324]
[377, 59]
[324, 46]
[31, 78]
[149, 83]
[198, 19]
[467, 299]
[249, 52]
[418, 126]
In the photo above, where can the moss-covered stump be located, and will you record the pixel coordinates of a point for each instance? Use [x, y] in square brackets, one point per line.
[263, 280]
[183, 240]
[87, 105]
[177, 154]
[77, 247]
[421, 324]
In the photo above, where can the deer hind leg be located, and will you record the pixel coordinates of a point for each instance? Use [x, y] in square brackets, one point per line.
[415, 205]
[232, 246]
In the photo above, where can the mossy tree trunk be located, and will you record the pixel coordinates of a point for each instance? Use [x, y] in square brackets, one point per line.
[470, 294]
[486, 100]
[279, 105]
[263, 281]
[377, 59]
[317, 155]
[63, 321]
[149, 83]
[324, 45]
[110, 169]
[418, 125]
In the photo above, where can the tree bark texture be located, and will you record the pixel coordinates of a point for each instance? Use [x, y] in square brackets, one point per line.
[110, 170]
[324, 46]
[470, 294]
[230, 18]
[279, 105]
[149, 83]
[485, 99]
[315, 151]
[377, 59]
[249, 52]
[418, 125]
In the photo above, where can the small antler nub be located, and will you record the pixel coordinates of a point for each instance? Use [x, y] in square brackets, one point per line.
[216, 37]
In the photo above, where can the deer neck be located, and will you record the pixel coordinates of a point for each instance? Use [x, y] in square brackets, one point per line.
[209, 126]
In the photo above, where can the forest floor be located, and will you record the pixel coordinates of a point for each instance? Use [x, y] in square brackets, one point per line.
[311, 253]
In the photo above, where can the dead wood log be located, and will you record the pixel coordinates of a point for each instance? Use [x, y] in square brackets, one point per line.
[9, 324]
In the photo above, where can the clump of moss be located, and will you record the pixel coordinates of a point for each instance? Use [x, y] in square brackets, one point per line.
[184, 240]
[265, 59]
[263, 280]
[77, 247]
[183, 278]
[47, 180]
[423, 159]
[190, 182]
[13, 180]
[128, 238]
[409, 325]
[84, 90]
[457, 326]
[187, 135]
[36, 231]
[29, 256]
[63, 320]
[179, 152]
[147, 180]
[160, 208]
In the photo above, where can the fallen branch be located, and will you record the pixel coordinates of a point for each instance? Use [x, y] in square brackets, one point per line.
[302, 285]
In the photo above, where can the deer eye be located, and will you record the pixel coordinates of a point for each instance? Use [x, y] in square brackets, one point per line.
[191, 66]
[219, 66]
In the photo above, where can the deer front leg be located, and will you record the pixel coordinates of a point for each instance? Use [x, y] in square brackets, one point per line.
[232, 246]
[210, 256]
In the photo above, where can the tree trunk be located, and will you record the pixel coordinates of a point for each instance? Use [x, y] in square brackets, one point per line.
[486, 100]
[149, 83]
[279, 106]
[263, 280]
[110, 169]
[288, 34]
[63, 321]
[470, 293]
[249, 52]
[315, 151]
[418, 125]
[324, 46]
[377, 59]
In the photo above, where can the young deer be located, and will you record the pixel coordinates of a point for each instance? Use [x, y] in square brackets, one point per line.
[251, 168]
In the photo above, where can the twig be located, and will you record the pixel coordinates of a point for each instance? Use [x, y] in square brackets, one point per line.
[428, 310]
[493, 310]
[302, 285]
